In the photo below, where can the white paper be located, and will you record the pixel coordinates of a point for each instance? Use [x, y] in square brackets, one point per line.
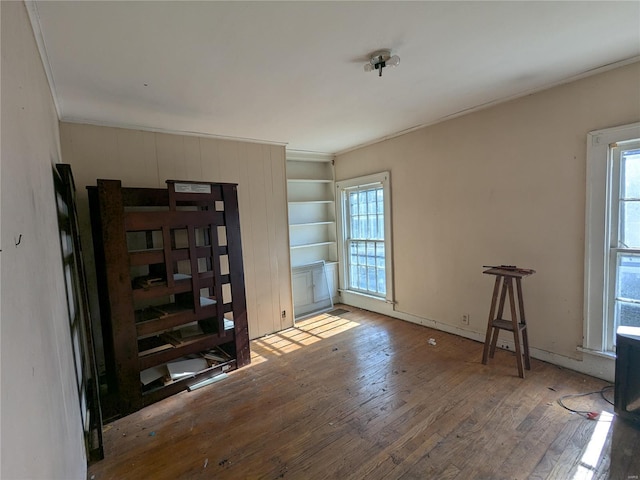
[192, 188]
[151, 374]
[185, 368]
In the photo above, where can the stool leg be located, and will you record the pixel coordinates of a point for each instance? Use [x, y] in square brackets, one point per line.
[496, 331]
[525, 345]
[516, 332]
[503, 296]
[494, 342]
[492, 311]
[525, 335]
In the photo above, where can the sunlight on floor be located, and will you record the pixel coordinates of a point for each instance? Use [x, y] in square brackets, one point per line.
[593, 452]
[306, 332]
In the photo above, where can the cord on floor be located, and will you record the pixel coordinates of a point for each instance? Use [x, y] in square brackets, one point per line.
[589, 415]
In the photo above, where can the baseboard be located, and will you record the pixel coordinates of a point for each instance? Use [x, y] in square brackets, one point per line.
[596, 366]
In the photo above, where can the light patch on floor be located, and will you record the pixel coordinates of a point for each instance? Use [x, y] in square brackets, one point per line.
[306, 332]
[593, 452]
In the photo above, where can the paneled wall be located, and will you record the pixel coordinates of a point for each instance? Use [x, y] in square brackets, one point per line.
[505, 185]
[147, 159]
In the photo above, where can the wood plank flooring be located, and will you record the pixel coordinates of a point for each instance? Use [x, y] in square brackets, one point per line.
[364, 396]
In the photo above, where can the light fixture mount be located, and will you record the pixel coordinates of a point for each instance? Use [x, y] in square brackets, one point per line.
[380, 59]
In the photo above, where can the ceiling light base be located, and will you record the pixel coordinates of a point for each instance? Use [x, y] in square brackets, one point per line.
[380, 59]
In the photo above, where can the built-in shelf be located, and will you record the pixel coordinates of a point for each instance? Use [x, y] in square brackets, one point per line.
[309, 180]
[309, 245]
[310, 202]
[312, 225]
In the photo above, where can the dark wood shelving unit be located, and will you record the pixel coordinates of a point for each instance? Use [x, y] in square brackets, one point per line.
[171, 285]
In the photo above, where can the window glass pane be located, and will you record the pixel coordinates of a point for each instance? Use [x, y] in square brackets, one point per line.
[373, 226]
[371, 254]
[630, 172]
[627, 314]
[355, 227]
[380, 255]
[362, 278]
[353, 276]
[353, 253]
[371, 277]
[382, 283]
[371, 202]
[627, 308]
[629, 224]
[628, 284]
[362, 253]
[362, 204]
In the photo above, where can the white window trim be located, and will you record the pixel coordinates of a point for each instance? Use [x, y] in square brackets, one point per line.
[383, 178]
[596, 232]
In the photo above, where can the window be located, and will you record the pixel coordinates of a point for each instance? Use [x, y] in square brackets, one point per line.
[364, 231]
[624, 250]
[612, 253]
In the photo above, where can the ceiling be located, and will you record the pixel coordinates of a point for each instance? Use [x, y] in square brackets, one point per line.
[292, 72]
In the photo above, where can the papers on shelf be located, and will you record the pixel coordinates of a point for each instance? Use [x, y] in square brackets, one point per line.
[206, 301]
[152, 374]
[185, 368]
[148, 281]
[190, 330]
[217, 355]
[181, 276]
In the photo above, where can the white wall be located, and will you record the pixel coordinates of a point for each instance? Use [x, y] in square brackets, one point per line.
[41, 427]
[148, 159]
[504, 185]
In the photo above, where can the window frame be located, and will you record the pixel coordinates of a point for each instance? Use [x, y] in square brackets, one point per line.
[598, 325]
[342, 188]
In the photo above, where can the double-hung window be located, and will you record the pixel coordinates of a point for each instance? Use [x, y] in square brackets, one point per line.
[612, 254]
[364, 232]
[624, 250]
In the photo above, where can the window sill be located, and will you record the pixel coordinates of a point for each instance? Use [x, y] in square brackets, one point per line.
[597, 353]
[364, 295]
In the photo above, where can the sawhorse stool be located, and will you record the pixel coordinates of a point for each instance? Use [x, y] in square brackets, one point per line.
[505, 274]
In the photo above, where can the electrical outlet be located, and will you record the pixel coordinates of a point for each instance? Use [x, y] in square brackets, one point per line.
[465, 318]
[284, 314]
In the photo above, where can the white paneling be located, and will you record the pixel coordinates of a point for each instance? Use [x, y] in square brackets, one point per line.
[135, 162]
[260, 227]
[148, 159]
[281, 240]
[170, 156]
[192, 158]
[210, 159]
[270, 236]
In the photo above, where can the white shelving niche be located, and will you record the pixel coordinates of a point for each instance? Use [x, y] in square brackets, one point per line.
[312, 223]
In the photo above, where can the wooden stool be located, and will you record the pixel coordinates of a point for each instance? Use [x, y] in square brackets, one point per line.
[506, 274]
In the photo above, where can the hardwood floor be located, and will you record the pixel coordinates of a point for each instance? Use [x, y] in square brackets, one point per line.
[364, 396]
